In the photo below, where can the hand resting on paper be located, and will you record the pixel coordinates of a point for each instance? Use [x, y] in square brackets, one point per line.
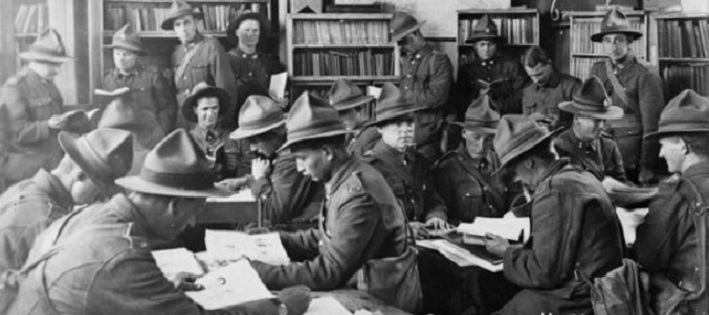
[297, 299]
[496, 245]
[184, 281]
[437, 224]
[233, 184]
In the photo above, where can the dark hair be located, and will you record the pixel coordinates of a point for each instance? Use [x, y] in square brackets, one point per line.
[697, 143]
[334, 142]
[535, 55]
[542, 150]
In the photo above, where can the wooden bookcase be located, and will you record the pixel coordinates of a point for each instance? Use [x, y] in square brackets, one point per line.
[519, 26]
[683, 50]
[322, 48]
[584, 53]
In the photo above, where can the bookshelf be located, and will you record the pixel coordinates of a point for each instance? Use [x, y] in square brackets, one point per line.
[519, 26]
[322, 48]
[584, 53]
[683, 50]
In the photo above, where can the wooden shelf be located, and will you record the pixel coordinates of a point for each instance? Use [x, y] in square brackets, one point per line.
[168, 34]
[303, 79]
[340, 16]
[191, 1]
[680, 16]
[601, 14]
[513, 44]
[683, 59]
[309, 46]
[498, 11]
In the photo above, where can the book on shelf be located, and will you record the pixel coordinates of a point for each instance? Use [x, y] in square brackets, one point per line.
[344, 62]
[517, 30]
[686, 38]
[31, 18]
[678, 77]
[340, 32]
[581, 67]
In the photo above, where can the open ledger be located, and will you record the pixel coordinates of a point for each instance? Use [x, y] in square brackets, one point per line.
[511, 228]
[277, 87]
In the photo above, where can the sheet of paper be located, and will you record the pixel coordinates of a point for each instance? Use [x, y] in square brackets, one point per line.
[115, 92]
[233, 245]
[277, 88]
[173, 261]
[326, 306]
[243, 195]
[374, 91]
[509, 228]
[234, 284]
[459, 255]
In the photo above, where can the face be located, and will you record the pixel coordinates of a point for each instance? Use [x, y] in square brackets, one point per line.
[674, 151]
[124, 59]
[398, 134]
[477, 143]
[265, 144]
[540, 73]
[485, 49]
[588, 128]
[352, 118]
[185, 28]
[408, 44]
[616, 45]
[248, 33]
[45, 70]
[523, 173]
[207, 111]
[187, 210]
[314, 163]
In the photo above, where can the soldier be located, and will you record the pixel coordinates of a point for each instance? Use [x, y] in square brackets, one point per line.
[671, 243]
[88, 169]
[426, 78]
[199, 59]
[585, 143]
[102, 263]
[634, 89]
[406, 171]
[291, 200]
[360, 221]
[465, 178]
[575, 230]
[349, 101]
[491, 73]
[150, 92]
[548, 89]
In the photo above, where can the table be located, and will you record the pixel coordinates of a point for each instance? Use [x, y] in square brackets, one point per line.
[241, 207]
[354, 300]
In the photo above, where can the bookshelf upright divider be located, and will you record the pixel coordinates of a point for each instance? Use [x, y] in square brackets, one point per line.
[683, 50]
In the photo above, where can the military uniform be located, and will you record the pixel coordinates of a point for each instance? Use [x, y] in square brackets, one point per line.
[426, 79]
[150, 93]
[29, 101]
[360, 221]
[227, 158]
[506, 94]
[601, 157]
[209, 63]
[410, 178]
[105, 266]
[253, 72]
[26, 209]
[364, 140]
[469, 188]
[544, 99]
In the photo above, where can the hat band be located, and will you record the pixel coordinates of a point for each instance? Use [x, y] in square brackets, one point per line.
[322, 127]
[587, 106]
[479, 123]
[192, 181]
[682, 125]
[393, 110]
[135, 43]
[270, 119]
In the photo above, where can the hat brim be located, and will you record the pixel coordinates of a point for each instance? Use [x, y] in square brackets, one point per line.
[328, 134]
[36, 56]
[132, 48]
[613, 112]
[379, 120]
[353, 103]
[672, 132]
[191, 102]
[525, 148]
[263, 21]
[470, 127]
[70, 144]
[167, 24]
[598, 37]
[135, 183]
[240, 133]
[476, 38]
[399, 35]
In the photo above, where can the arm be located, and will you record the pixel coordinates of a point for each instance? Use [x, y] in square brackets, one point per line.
[301, 245]
[510, 101]
[224, 78]
[434, 91]
[165, 103]
[433, 202]
[618, 170]
[25, 130]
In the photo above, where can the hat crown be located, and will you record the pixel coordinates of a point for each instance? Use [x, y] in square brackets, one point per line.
[311, 112]
[515, 135]
[259, 111]
[126, 33]
[687, 107]
[482, 109]
[485, 25]
[179, 6]
[177, 154]
[614, 20]
[200, 87]
[401, 21]
[115, 147]
[118, 114]
[592, 93]
[343, 90]
[50, 42]
[391, 101]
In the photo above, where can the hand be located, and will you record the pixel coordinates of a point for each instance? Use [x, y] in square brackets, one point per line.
[184, 281]
[419, 230]
[254, 229]
[437, 224]
[260, 167]
[496, 245]
[297, 299]
[56, 122]
[233, 184]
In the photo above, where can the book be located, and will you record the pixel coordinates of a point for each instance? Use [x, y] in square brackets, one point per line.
[511, 228]
[326, 306]
[277, 87]
[461, 256]
[233, 245]
[228, 286]
[176, 260]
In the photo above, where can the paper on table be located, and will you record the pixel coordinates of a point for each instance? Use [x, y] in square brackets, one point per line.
[233, 245]
[326, 306]
[234, 284]
[116, 92]
[374, 91]
[459, 255]
[510, 228]
[243, 195]
[173, 261]
[277, 88]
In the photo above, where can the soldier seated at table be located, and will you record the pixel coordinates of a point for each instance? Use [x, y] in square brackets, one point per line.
[585, 143]
[406, 171]
[350, 103]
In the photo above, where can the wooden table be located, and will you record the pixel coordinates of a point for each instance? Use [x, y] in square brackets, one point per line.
[354, 300]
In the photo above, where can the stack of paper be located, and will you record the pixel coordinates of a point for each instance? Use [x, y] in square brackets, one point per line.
[511, 228]
[233, 245]
[174, 261]
[229, 286]
[460, 256]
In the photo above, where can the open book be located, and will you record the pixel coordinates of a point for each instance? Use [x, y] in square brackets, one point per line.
[116, 92]
[491, 85]
[464, 256]
[233, 245]
[511, 228]
[277, 87]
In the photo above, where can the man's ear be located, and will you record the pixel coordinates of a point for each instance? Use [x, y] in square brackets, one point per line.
[172, 208]
[328, 152]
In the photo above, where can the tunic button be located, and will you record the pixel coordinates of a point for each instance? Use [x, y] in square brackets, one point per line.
[187, 91]
[408, 75]
[184, 78]
[406, 88]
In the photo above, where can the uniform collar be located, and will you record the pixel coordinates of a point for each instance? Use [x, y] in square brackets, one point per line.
[627, 61]
[384, 149]
[477, 164]
[237, 51]
[208, 135]
[129, 213]
[423, 52]
[554, 168]
[133, 72]
[578, 144]
[33, 76]
[490, 62]
[697, 169]
[340, 175]
[197, 39]
[54, 188]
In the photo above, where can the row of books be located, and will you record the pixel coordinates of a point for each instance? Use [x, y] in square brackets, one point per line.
[680, 77]
[522, 30]
[31, 18]
[581, 67]
[368, 62]
[683, 38]
[581, 32]
[148, 17]
[341, 31]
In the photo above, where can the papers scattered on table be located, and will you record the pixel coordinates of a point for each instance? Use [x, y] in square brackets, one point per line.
[234, 284]
[277, 88]
[459, 255]
[243, 195]
[233, 245]
[174, 261]
[511, 228]
[326, 306]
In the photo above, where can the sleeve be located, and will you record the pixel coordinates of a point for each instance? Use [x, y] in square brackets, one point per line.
[435, 89]
[301, 245]
[25, 130]
[651, 102]
[224, 78]
[131, 283]
[352, 235]
[618, 170]
[165, 102]
[433, 202]
[443, 185]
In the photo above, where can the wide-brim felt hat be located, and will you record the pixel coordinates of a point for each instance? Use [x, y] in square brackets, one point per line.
[485, 29]
[198, 91]
[402, 24]
[615, 22]
[179, 9]
[120, 114]
[47, 48]
[175, 167]
[591, 100]
[126, 38]
[259, 114]
[103, 154]
[345, 95]
[312, 118]
[482, 116]
[517, 134]
[264, 25]
[686, 113]
[392, 105]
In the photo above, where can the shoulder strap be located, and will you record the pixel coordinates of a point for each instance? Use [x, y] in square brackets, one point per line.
[698, 210]
[186, 60]
[618, 89]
